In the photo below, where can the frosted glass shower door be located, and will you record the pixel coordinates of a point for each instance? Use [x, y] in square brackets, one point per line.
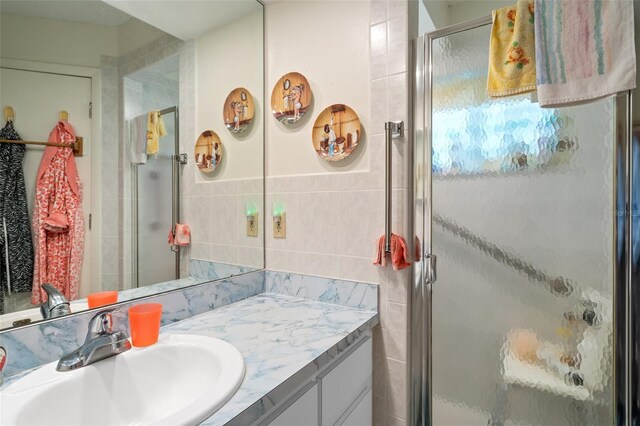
[523, 228]
[155, 209]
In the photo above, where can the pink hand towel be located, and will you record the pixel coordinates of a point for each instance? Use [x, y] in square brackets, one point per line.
[400, 258]
[182, 236]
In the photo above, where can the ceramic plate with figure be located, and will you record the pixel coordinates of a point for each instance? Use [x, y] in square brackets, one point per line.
[238, 110]
[208, 151]
[291, 97]
[336, 132]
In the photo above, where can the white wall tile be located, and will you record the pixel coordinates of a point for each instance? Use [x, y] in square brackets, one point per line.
[378, 11]
[199, 218]
[359, 268]
[383, 309]
[324, 265]
[397, 44]
[398, 7]
[379, 105]
[109, 212]
[380, 384]
[283, 260]
[279, 184]
[224, 219]
[322, 183]
[396, 325]
[397, 395]
[395, 283]
[251, 256]
[222, 188]
[199, 251]
[397, 103]
[378, 52]
[109, 249]
[363, 181]
[108, 282]
[320, 216]
[362, 222]
[223, 253]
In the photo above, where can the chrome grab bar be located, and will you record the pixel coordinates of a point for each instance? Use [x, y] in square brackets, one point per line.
[392, 130]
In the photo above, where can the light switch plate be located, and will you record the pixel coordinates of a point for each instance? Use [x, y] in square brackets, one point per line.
[252, 225]
[280, 226]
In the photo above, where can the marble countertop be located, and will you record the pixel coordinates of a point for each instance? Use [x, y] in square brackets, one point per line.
[283, 339]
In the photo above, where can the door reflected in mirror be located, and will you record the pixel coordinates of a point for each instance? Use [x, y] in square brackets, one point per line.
[99, 187]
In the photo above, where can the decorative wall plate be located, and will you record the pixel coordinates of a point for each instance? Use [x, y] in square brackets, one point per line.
[291, 97]
[208, 151]
[336, 132]
[238, 110]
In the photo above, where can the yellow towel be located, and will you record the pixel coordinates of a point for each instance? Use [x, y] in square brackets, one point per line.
[155, 129]
[512, 65]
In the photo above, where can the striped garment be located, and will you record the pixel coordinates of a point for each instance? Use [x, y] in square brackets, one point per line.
[584, 50]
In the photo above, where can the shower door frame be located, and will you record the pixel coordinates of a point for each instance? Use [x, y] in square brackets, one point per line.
[175, 201]
[625, 396]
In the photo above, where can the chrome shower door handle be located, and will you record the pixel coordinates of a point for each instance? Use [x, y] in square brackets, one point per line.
[430, 263]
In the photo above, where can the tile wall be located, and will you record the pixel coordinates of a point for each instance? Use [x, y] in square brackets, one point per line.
[334, 219]
[214, 210]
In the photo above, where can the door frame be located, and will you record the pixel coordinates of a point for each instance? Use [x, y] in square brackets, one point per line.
[419, 381]
[93, 148]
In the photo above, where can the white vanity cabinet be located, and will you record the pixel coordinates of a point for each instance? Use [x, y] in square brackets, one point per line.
[303, 411]
[340, 394]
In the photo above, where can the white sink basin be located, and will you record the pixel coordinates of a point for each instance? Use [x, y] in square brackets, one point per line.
[182, 379]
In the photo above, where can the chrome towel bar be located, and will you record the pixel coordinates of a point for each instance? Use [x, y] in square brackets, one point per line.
[392, 130]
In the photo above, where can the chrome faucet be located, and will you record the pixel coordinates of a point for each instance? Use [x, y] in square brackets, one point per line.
[101, 342]
[56, 304]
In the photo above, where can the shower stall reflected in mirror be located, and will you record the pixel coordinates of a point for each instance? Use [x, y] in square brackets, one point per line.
[524, 207]
[152, 149]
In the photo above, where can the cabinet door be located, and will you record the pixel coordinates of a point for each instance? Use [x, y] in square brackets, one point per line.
[303, 412]
[361, 414]
[342, 385]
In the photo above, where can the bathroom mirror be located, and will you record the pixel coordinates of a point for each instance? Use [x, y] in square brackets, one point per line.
[129, 210]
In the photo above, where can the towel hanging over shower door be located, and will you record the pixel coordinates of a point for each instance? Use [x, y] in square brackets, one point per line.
[16, 245]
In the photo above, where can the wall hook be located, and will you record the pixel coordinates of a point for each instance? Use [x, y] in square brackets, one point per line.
[9, 114]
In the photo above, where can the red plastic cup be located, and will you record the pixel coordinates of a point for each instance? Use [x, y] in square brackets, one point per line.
[144, 323]
[101, 299]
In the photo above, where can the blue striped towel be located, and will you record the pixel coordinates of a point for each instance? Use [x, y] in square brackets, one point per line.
[584, 50]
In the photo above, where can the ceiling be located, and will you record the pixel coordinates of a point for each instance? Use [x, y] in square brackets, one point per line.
[88, 11]
[187, 19]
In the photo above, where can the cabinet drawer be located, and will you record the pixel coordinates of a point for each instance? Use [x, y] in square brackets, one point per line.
[342, 385]
[362, 414]
[303, 412]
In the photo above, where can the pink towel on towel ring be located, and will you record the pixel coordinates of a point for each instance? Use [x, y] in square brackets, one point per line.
[182, 236]
[400, 258]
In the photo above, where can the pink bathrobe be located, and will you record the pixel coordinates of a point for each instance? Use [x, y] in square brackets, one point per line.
[58, 225]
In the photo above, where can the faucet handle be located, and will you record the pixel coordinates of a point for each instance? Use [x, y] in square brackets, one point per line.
[101, 323]
[3, 361]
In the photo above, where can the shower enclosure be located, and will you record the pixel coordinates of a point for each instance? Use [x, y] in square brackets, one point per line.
[156, 208]
[152, 183]
[524, 317]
